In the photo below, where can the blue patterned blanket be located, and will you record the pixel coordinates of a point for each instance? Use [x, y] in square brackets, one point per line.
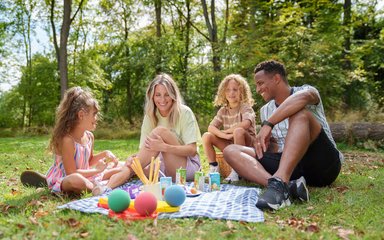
[232, 203]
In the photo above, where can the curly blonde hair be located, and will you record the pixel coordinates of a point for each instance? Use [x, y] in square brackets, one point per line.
[245, 91]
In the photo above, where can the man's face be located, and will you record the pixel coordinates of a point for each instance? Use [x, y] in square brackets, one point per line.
[265, 85]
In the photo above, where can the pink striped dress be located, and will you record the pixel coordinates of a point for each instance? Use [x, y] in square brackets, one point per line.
[56, 172]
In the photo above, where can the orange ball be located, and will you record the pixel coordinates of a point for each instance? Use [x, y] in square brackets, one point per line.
[145, 203]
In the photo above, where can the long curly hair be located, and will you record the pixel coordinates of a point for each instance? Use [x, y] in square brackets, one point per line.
[75, 99]
[245, 91]
[173, 91]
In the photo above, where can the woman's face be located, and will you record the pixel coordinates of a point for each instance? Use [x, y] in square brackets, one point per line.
[162, 100]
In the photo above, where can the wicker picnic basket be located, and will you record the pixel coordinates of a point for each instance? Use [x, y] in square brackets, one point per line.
[224, 167]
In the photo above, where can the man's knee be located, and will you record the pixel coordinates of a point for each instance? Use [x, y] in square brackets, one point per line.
[300, 116]
[230, 151]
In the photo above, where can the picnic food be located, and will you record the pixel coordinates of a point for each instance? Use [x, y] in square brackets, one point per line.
[175, 195]
[145, 203]
[154, 169]
[118, 200]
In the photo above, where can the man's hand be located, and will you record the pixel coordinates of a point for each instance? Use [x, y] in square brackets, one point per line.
[262, 140]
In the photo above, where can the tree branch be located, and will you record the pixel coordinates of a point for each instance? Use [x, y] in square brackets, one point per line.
[190, 22]
[78, 9]
[54, 31]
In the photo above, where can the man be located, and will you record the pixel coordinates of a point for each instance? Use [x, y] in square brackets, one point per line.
[294, 145]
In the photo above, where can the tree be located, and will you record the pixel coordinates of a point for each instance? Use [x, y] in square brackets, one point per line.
[61, 51]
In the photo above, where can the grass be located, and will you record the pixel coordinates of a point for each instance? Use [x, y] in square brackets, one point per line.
[351, 208]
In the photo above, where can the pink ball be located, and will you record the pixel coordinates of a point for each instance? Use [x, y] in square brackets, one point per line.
[145, 203]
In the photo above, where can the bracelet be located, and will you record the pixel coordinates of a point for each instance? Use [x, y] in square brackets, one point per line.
[265, 122]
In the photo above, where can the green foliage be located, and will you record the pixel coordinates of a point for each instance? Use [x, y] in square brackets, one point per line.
[116, 58]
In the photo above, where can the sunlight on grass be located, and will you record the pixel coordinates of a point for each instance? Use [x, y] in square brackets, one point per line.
[352, 205]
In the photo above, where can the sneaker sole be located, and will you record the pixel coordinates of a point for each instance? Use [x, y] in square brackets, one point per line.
[33, 179]
[285, 203]
[303, 190]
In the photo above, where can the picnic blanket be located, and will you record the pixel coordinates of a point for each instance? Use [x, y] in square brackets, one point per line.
[231, 203]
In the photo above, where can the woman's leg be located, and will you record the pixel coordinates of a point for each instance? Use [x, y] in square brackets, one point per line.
[171, 161]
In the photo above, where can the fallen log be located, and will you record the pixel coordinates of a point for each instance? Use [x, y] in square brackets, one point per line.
[357, 131]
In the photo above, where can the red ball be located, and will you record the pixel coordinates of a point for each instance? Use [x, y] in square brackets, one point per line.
[145, 203]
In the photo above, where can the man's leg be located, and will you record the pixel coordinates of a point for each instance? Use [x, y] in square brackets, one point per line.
[303, 130]
[243, 160]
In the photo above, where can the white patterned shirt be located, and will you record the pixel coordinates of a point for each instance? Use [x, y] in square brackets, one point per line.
[279, 132]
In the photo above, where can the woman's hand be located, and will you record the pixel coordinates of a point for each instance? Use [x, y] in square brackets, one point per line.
[129, 160]
[155, 143]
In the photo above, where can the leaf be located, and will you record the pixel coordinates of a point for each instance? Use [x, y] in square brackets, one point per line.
[15, 191]
[344, 233]
[131, 237]
[342, 189]
[84, 234]
[33, 220]
[40, 213]
[20, 226]
[230, 225]
[312, 228]
[72, 222]
[198, 222]
[36, 203]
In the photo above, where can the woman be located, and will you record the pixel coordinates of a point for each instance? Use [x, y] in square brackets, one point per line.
[169, 130]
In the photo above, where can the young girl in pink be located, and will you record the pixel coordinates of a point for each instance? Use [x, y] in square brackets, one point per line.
[76, 168]
[233, 123]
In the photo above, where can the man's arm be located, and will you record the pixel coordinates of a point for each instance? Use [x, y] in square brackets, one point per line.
[289, 107]
[293, 104]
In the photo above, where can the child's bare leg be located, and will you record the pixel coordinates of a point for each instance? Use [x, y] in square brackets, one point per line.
[76, 183]
[242, 137]
[209, 141]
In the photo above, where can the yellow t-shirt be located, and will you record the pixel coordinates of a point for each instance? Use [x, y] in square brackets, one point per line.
[186, 130]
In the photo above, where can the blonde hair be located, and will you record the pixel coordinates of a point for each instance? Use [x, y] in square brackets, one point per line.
[173, 91]
[245, 91]
[75, 99]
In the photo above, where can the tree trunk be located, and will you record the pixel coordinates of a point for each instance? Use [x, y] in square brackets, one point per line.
[158, 35]
[347, 34]
[210, 22]
[63, 54]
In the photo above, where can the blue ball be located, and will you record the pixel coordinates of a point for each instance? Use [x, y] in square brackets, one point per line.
[174, 195]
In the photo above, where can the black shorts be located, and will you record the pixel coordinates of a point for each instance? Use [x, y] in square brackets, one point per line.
[320, 165]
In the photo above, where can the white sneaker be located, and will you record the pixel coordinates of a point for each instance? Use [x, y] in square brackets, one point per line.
[232, 177]
[213, 169]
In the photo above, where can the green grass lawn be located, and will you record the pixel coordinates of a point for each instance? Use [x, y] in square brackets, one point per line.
[352, 208]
